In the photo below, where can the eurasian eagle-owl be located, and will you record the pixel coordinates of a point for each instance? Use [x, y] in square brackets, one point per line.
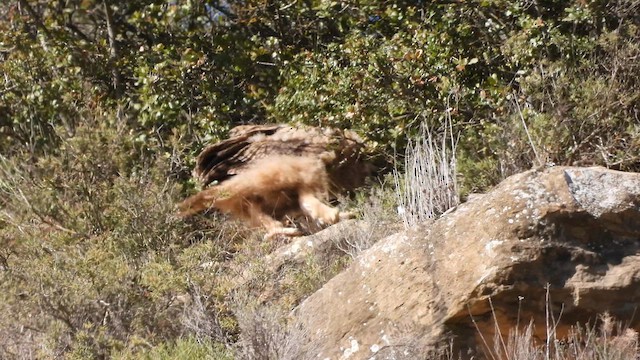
[266, 174]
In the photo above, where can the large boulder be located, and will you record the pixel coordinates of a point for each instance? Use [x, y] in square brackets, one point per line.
[559, 244]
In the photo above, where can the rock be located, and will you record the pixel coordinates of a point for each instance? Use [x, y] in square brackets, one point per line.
[564, 239]
[327, 249]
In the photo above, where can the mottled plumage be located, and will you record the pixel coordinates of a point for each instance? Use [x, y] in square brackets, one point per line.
[264, 174]
[347, 169]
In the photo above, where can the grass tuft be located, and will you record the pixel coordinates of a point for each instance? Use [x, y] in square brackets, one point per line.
[428, 187]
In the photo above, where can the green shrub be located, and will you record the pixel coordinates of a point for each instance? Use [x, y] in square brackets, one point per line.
[98, 135]
[524, 84]
[92, 249]
[187, 349]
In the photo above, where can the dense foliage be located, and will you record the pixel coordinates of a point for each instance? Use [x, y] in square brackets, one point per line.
[103, 105]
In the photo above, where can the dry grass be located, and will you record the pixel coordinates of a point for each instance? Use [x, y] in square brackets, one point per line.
[428, 187]
[267, 333]
[608, 339]
[377, 219]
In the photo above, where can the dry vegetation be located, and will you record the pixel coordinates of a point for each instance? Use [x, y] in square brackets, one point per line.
[97, 140]
[428, 187]
[607, 339]
[95, 264]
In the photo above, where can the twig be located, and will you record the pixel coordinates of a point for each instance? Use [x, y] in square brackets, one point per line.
[113, 49]
[484, 341]
[526, 129]
[35, 17]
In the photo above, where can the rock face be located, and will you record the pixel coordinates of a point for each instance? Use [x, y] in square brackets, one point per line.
[561, 240]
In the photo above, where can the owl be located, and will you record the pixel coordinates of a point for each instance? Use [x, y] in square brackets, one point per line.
[266, 175]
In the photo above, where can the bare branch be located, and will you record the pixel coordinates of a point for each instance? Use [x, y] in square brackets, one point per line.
[35, 17]
[113, 49]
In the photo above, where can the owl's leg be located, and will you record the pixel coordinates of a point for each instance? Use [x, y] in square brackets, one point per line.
[283, 231]
[317, 210]
[346, 215]
[274, 227]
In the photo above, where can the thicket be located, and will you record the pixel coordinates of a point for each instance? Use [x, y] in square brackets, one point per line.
[103, 105]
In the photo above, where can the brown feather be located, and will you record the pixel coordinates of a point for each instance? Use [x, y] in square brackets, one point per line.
[248, 143]
[265, 173]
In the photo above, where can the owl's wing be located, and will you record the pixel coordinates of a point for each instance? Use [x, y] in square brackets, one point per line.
[340, 149]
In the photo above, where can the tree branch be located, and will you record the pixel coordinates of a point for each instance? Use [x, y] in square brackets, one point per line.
[113, 49]
[223, 11]
[35, 17]
[71, 26]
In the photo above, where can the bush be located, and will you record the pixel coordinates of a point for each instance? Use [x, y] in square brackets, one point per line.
[102, 110]
[187, 349]
[92, 254]
[523, 84]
